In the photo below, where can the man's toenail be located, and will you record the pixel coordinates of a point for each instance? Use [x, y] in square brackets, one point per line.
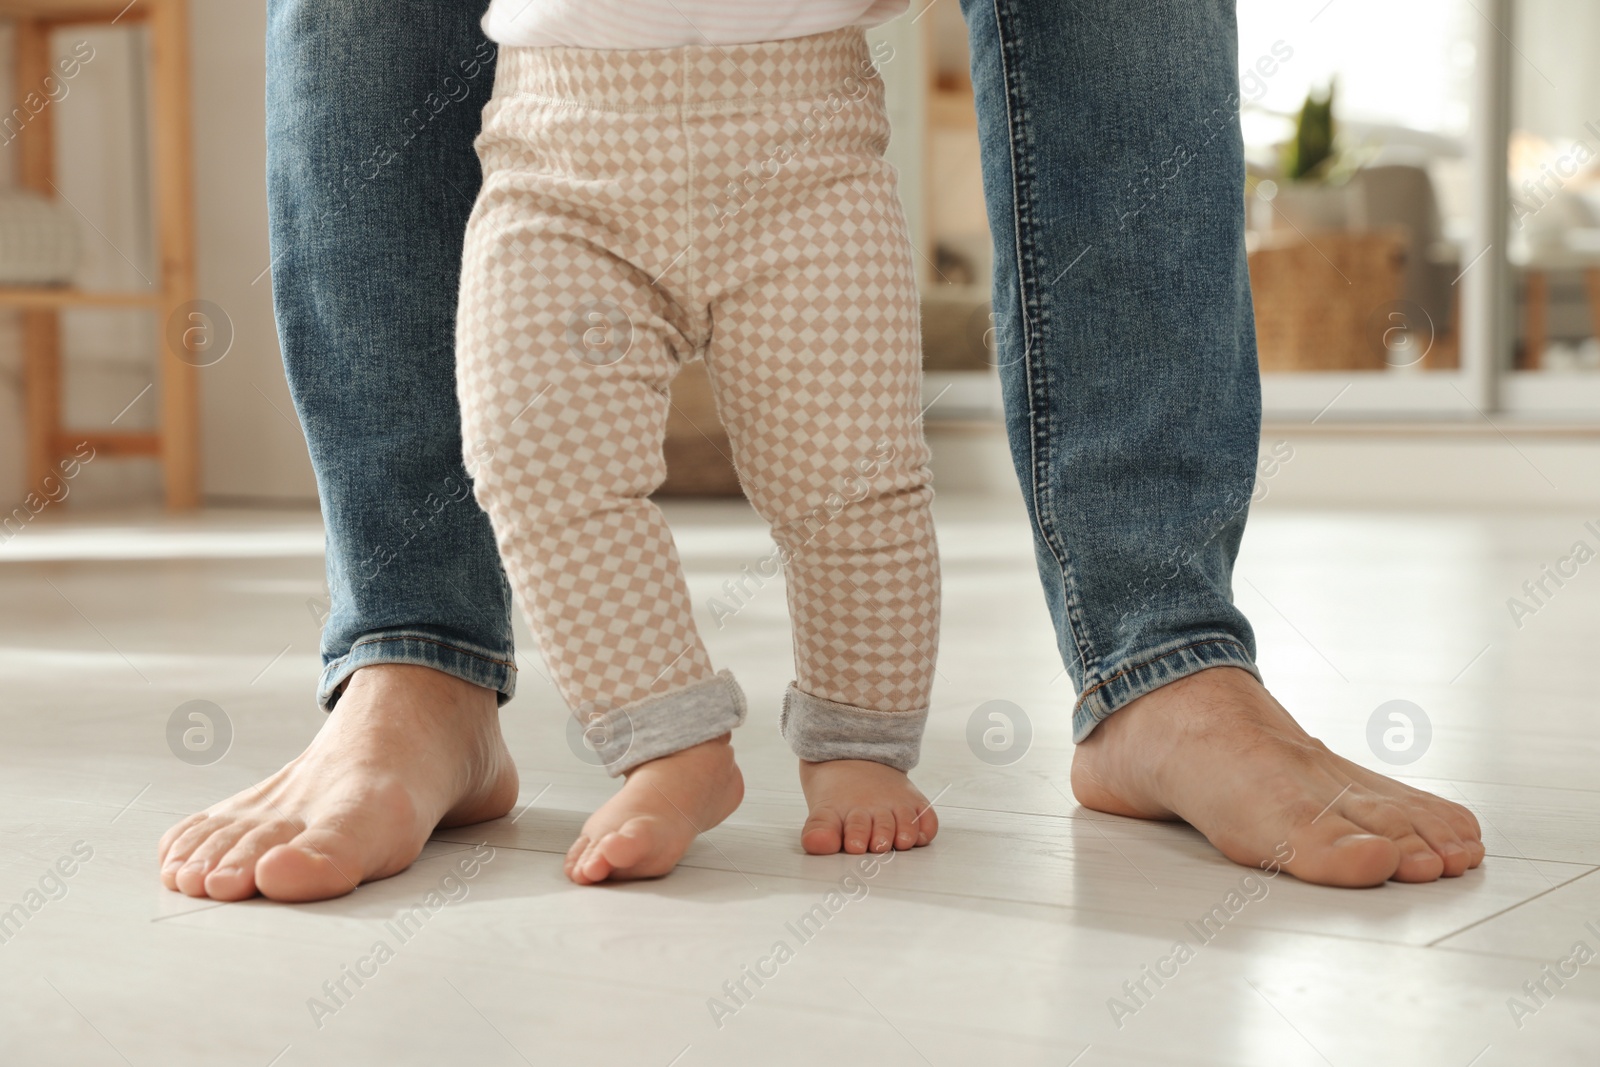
[227, 872]
[1452, 850]
[1422, 857]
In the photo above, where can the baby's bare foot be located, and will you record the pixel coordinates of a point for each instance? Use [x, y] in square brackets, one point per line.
[1215, 750]
[858, 805]
[406, 749]
[644, 830]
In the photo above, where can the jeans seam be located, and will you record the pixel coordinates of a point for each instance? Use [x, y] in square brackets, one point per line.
[1087, 693]
[1015, 118]
[428, 641]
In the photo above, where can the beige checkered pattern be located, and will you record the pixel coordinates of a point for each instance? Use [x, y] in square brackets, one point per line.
[640, 209]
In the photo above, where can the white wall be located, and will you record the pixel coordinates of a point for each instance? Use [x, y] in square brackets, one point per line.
[253, 445]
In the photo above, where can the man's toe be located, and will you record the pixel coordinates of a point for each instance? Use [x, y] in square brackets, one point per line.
[1418, 861]
[1441, 838]
[315, 865]
[1335, 851]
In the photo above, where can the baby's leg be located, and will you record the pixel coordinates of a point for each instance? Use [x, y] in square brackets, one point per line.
[816, 364]
[564, 354]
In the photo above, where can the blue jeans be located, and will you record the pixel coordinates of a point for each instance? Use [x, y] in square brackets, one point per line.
[371, 114]
[1114, 177]
[1114, 174]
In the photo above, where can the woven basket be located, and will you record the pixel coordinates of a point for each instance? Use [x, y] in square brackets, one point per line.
[39, 240]
[1317, 296]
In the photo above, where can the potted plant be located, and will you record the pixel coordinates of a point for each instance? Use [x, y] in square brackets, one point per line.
[1314, 192]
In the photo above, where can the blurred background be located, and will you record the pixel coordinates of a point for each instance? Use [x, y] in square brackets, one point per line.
[1424, 218]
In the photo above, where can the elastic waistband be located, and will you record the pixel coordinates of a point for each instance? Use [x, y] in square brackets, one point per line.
[693, 77]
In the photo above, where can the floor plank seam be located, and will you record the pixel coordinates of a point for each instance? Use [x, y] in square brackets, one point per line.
[1507, 910]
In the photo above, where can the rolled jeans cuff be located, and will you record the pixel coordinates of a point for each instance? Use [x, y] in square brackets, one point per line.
[660, 725]
[819, 730]
[480, 666]
[1159, 668]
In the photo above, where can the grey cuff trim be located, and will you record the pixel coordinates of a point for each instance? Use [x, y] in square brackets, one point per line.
[658, 726]
[819, 730]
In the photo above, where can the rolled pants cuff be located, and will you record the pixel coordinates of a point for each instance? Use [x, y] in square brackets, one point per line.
[658, 726]
[480, 666]
[819, 730]
[1163, 666]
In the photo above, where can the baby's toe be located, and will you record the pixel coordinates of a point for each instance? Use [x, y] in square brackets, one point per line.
[857, 831]
[883, 831]
[905, 828]
[823, 833]
[576, 855]
[595, 866]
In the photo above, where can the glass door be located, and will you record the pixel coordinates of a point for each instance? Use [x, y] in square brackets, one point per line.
[1369, 258]
[1551, 359]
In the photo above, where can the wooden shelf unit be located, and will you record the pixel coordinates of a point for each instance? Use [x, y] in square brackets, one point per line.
[176, 442]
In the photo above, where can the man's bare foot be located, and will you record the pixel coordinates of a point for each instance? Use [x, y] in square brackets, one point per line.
[858, 805]
[1215, 750]
[405, 750]
[647, 826]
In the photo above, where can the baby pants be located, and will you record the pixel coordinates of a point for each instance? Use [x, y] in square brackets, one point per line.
[643, 208]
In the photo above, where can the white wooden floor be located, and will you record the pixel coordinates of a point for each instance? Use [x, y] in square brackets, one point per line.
[1005, 942]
